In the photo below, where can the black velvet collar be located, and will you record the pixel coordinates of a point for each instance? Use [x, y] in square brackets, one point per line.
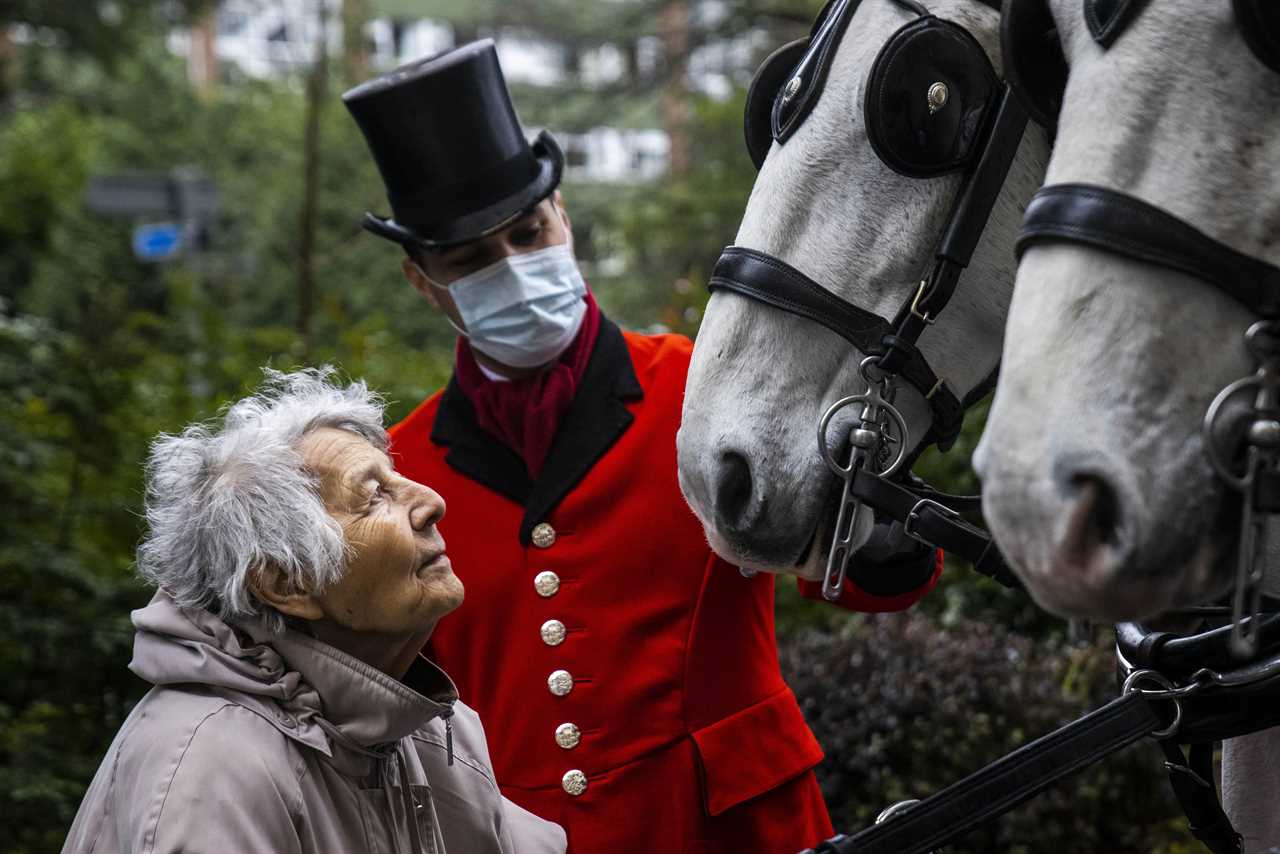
[595, 420]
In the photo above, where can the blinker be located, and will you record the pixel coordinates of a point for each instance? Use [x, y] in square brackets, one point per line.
[928, 95]
[914, 135]
[810, 73]
[763, 91]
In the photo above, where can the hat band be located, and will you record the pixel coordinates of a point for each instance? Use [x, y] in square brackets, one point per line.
[423, 209]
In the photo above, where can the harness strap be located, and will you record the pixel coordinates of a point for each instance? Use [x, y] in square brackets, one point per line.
[932, 517]
[766, 279]
[1117, 222]
[1191, 776]
[1005, 783]
[1179, 657]
[968, 218]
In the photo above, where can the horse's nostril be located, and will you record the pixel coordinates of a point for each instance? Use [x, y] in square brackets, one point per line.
[733, 490]
[1091, 532]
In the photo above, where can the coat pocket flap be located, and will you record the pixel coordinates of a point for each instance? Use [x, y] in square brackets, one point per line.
[754, 751]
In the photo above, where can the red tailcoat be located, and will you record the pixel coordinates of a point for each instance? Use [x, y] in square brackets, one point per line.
[668, 701]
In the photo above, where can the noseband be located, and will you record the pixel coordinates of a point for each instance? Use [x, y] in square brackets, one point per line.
[934, 106]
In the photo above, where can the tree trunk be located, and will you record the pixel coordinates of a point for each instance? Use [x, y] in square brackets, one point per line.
[317, 93]
[673, 31]
[202, 56]
[8, 65]
[355, 57]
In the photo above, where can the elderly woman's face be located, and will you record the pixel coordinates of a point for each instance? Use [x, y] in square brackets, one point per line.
[398, 580]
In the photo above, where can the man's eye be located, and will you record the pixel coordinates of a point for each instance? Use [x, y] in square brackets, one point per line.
[527, 235]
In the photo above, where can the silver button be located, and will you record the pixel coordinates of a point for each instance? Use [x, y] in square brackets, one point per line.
[568, 736]
[552, 632]
[544, 536]
[547, 584]
[574, 782]
[560, 683]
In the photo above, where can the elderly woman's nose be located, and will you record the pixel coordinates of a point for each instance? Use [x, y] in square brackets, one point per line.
[426, 506]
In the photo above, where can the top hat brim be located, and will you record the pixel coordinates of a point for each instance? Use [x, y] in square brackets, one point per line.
[489, 219]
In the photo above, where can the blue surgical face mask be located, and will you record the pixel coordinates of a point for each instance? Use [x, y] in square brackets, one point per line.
[524, 310]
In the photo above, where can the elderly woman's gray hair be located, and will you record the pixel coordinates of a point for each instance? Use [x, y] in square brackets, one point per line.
[224, 500]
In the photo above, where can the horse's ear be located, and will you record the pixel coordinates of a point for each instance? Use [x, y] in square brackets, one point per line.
[1035, 66]
[1259, 23]
[763, 91]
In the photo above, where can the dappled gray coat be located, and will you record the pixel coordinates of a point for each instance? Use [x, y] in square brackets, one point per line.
[252, 743]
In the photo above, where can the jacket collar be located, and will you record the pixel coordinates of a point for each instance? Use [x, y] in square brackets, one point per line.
[595, 420]
[364, 705]
[309, 691]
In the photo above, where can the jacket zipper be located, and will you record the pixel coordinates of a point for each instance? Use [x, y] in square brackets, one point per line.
[448, 733]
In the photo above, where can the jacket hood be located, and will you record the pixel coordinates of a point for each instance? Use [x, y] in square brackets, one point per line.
[311, 692]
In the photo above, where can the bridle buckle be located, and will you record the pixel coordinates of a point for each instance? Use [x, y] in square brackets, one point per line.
[908, 527]
[915, 304]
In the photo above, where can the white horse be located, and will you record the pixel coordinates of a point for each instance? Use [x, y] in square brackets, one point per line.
[1095, 478]
[827, 205]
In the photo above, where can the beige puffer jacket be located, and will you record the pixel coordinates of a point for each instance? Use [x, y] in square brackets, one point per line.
[255, 743]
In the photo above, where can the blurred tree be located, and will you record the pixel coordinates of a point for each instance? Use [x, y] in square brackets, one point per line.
[355, 55]
[317, 94]
[104, 31]
[674, 31]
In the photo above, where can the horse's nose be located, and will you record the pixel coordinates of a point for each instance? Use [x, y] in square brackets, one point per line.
[1088, 542]
[734, 508]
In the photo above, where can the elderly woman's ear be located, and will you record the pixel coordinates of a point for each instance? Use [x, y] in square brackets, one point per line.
[272, 587]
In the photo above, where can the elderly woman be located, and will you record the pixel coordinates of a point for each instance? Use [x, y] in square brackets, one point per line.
[298, 577]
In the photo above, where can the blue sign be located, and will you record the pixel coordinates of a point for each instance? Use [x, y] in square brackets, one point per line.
[157, 241]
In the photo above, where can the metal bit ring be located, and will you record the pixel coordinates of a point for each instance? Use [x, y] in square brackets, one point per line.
[1255, 336]
[825, 450]
[1167, 692]
[1212, 448]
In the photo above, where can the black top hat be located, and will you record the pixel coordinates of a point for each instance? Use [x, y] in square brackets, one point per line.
[450, 149]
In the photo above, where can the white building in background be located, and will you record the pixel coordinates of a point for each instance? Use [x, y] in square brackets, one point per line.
[268, 39]
[615, 155]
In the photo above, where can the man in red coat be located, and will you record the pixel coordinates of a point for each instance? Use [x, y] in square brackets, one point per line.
[627, 677]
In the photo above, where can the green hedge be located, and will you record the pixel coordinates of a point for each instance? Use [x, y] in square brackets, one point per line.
[904, 706]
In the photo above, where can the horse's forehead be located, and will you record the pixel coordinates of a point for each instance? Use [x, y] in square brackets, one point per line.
[1178, 112]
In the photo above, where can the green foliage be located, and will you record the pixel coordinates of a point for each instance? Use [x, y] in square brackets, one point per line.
[904, 707]
[99, 353]
[669, 234]
[64, 588]
[104, 31]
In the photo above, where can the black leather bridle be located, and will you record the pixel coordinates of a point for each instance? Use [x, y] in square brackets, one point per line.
[983, 148]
